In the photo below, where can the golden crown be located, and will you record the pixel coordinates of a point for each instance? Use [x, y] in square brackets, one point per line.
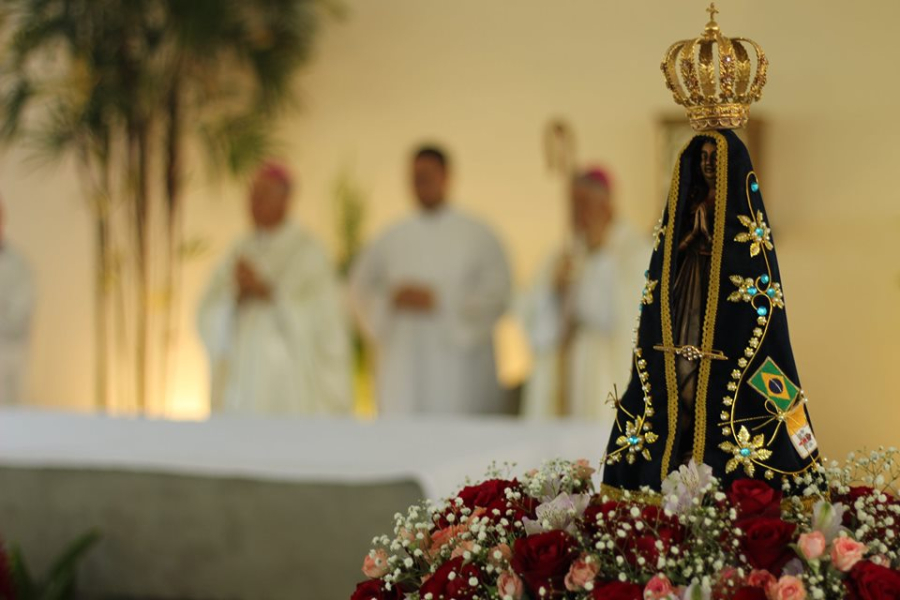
[715, 98]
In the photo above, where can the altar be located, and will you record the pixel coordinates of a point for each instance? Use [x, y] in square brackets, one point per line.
[232, 506]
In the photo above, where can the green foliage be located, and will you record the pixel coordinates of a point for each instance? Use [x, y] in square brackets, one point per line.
[350, 201]
[78, 71]
[59, 583]
[126, 87]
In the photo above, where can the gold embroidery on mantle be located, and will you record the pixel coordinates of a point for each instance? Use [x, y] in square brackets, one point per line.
[712, 297]
[749, 290]
[638, 433]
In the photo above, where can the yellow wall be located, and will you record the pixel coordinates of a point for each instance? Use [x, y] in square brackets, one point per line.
[483, 77]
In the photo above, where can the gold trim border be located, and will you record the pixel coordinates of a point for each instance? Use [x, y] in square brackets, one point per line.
[711, 301]
[656, 498]
[665, 310]
[712, 295]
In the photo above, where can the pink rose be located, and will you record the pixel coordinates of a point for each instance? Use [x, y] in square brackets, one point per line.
[658, 588]
[583, 469]
[376, 564]
[476, 514]
[812, 545]
[582, 571]
[510, 586]
[409, 535]
[462, 549]
[760, 578]
[846, 552]
[445, 536]
[787, 588]
[499, 555]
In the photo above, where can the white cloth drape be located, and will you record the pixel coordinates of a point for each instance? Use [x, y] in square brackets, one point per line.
[443, 361]
[290, 354]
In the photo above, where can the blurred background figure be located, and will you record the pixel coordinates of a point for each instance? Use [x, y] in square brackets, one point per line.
[580, 312]
[272, 316]
[16, 306]
[428, 292]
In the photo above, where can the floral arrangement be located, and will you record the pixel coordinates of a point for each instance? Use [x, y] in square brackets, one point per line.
[550, 534]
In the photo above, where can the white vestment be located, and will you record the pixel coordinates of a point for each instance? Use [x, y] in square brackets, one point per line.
[441, 361]
[16, 306]
[287, 354]
[601, 305]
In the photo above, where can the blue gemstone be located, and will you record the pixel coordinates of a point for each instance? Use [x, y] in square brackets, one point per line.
[762, 311]
[633, 440]
[751, 290]
[745, 452]
[759, 232]
[764, 279]
[647, 273]
[754, 186]
[771, 292]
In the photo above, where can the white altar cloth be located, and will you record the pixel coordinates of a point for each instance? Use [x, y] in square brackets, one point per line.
[437, 452]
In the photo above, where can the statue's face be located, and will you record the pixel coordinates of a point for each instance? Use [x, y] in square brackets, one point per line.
[708, 163]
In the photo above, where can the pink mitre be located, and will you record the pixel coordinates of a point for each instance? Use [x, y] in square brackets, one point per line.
[276, 172]
[598, 175]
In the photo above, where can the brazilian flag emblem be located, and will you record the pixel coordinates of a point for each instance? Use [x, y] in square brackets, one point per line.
[773, 384]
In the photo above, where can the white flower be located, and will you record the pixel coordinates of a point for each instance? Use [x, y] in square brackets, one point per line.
[560, 513]
[827, 518]
[684, 487]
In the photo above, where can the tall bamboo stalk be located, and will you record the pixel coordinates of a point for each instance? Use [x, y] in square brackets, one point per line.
[173, 187]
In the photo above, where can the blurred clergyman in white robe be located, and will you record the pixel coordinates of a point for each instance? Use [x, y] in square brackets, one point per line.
[272, 316]
[428, 292]
[16, 306]
[580, 312]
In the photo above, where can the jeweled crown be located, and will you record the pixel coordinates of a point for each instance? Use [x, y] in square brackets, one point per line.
[713, 77]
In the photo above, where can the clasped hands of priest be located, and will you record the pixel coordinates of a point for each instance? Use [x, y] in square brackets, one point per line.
[414, 298]
[251, 286]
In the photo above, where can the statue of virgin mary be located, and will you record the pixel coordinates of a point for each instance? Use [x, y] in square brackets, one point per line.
[713, 377]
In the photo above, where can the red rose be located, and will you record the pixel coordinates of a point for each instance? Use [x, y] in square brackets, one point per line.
[660, 528]
[543, 560]
[617, 590]
[486, 493]
[754, 498]
[859, 491]
[765, 542]
[868, 581]
[513, 512]
[849, 499]
[749, 593]
[442, 587]
[374, 589]
[591, 525]
[668, 528]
